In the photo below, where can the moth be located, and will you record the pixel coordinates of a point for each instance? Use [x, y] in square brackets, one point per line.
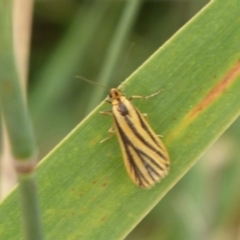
[145, 157]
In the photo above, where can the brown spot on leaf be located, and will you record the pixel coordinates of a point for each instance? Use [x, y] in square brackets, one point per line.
[104, 184]
[210, 97]
[7, 86]
[94, 141]
[217, 90]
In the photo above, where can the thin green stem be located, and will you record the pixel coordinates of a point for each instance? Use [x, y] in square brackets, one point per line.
[18, 124]
[114, 51]
[14, 109]
[31, 212]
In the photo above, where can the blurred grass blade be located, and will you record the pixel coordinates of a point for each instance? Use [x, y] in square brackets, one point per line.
[228, 194]
[18, 124]
[120, 36]
[12, 103]
[85, 189]
[66, 58]
[30, 206]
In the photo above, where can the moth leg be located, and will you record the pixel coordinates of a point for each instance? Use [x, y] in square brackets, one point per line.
[145, 97]
[106, 113]
[111, 132]
[108, 101]
[145, 115]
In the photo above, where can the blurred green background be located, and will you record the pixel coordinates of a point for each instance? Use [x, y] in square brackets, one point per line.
[205, 203]
[58, 101]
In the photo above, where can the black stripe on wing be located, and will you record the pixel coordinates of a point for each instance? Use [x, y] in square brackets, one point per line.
[139, 136]
[142, 156]
[137, 173]
[145, 127]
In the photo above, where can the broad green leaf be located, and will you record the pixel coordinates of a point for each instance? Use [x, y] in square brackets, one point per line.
[85, 192]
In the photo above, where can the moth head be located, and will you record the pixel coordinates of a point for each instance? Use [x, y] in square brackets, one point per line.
[115, 93]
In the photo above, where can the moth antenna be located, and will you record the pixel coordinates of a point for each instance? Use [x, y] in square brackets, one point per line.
[91, 82]
[126, 59]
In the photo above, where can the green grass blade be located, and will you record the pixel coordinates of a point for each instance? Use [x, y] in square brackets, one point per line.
[30, 207]
[12, 102]
[85, 190]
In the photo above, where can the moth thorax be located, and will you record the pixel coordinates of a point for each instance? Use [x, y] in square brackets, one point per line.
[115, 93]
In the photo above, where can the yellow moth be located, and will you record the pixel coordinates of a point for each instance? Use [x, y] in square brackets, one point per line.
[145, 156]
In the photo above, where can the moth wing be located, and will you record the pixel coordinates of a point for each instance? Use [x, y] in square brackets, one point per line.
[145, 156]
